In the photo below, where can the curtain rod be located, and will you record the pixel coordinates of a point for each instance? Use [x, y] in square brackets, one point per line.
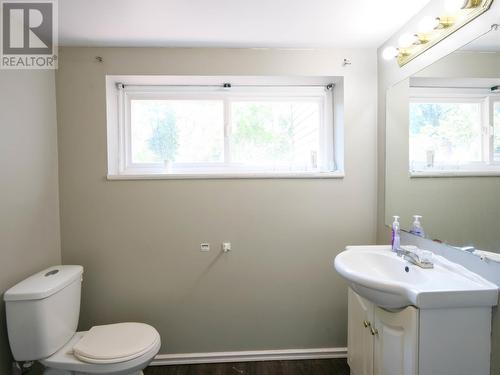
[448, 87]
[228, 85]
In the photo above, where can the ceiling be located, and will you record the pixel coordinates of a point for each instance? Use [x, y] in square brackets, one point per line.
[489, 42]
[233, 23]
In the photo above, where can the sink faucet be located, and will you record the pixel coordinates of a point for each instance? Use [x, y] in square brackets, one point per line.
[469, 249]
[414, 258]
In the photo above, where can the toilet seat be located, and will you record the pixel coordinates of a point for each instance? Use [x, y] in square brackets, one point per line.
[65, 360]
[114, 343]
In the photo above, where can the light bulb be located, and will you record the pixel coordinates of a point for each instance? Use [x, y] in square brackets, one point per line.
[389, 53]
[427, 24]
[406, 40]
[453, 6]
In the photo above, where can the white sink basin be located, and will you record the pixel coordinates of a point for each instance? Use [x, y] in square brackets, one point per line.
[389, 281]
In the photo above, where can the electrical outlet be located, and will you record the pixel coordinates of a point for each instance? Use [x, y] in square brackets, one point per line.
[205, 246]
[226, 246]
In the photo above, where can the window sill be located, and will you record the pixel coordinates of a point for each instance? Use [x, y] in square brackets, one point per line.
[456, 173]
[211, 176]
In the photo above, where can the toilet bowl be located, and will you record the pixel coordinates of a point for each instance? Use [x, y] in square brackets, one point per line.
[42, 316]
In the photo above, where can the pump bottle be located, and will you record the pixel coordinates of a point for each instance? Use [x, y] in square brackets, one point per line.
[416, 227]
[396, 240]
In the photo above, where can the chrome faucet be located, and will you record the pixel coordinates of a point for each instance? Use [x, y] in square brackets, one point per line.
[469, 249]
[414, 258]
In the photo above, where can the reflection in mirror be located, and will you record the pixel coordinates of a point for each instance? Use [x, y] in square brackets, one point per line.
[443, 148]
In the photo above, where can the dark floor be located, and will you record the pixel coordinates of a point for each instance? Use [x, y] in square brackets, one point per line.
[307, 367]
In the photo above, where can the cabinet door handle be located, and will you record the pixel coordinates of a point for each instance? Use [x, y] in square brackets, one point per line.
[366, 323]
[373, 331]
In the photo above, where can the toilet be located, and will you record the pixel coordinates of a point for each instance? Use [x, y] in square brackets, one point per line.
[42, 318]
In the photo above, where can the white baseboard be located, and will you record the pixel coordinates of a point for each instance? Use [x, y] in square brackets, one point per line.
[248, 356]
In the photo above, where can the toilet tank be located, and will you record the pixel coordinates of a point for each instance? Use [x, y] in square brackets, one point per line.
[42, 312]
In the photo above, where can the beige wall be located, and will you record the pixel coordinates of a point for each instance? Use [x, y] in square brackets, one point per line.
[139, 240]
[29, 212]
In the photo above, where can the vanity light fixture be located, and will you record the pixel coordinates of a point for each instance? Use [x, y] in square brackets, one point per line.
[432, 30]
[427, 25]
[406, 40]
[454, 5]
[390, 53]
[445, 22]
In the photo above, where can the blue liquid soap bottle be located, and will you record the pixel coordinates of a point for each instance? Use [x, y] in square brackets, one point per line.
[416, 226]
[396, 241]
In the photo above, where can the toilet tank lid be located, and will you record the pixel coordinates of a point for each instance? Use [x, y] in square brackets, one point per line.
[44, 283]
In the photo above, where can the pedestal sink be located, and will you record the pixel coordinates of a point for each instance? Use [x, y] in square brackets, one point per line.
[389, 281]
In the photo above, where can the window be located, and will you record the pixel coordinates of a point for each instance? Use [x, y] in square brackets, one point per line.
[211, 130]
[454, 131]
[180, 131]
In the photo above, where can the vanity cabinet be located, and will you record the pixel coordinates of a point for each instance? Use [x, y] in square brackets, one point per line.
[381, 342]
[412, 341]
[395, 341]
[359, 338]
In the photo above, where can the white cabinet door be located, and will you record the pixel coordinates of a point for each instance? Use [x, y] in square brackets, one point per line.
[396, 342]
[359, 338]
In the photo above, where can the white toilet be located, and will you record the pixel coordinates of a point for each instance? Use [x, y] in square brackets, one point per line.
[42, 317]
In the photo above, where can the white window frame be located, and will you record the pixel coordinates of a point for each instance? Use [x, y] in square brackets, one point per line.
[488, 166]
[493, 99]
[120, 95]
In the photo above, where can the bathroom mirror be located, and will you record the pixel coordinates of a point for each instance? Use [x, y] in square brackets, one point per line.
[443, 148]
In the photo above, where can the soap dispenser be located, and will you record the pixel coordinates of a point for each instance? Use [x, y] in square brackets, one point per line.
[396, 241]
[416, 227]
